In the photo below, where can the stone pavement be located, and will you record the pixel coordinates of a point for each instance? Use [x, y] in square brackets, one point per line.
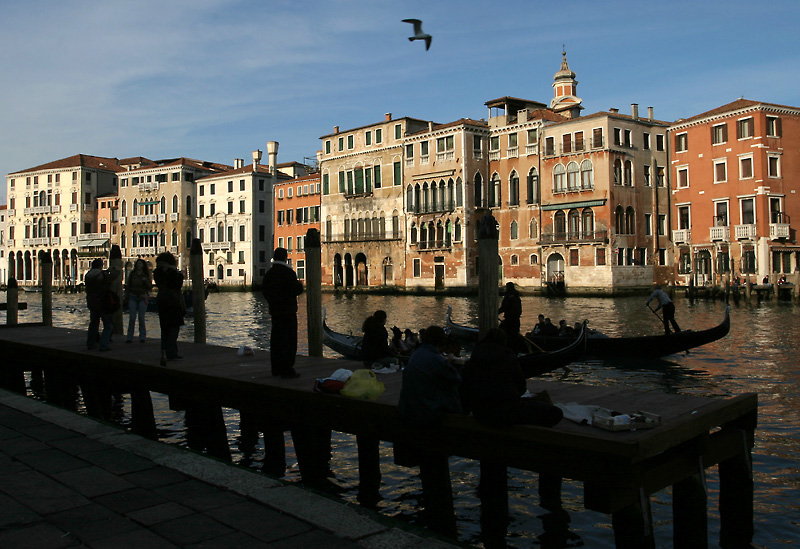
[67, 480]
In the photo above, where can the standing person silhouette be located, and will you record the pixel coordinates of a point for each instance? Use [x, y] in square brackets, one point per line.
[667, 307]
[98, 284]
[138, 289]
[171, 307]
[281, 288]
[511, 307]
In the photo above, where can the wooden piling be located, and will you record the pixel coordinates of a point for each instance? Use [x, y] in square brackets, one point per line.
[369, 470]
[314, 292]
[115, 263]
[488, 274]
[493, 492]
[736, 492]
[12, 300]
[198, 291]
[46, 264]
[143, 421]
[205, 429]
[796, 287]
[633, 524]
[690, 511]
[437, 493]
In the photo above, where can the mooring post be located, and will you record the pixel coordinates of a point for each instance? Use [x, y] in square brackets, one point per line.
[205, 429]
[12, 298]
[46, 263]
[198, 291]
[493, 492]
[369, 470]
[796, 286]
[633, 524]
[776, 289]
[736, 487]
[748, 289]
[143, 421]
[437, 494]
[115, 262]
[488, 274]
[314, 292]
[690, 510]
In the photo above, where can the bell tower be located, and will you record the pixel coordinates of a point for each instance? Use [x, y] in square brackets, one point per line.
[565, 100]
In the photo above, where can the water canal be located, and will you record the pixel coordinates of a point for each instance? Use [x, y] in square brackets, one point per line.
[759, 355]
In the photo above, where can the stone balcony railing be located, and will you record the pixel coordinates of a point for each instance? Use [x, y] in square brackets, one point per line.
[778, 230]
[722, 233]
[745, 231]
[681, 235]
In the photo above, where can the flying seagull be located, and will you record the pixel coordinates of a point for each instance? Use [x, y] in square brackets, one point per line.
[418, 34]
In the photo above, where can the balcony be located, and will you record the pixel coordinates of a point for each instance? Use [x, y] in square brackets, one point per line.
[424, 159]
[573, 238]
[494, 156]
[149, 218]
[742, 232]
[73, 207]
[221, 246]
[681, 236]
[512, 152]
[173, 217]
[720, 234]
[446, 156]
[778, 230]
[531, 149]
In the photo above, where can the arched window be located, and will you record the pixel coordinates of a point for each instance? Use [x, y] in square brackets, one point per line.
[628, 173]
[478, 190]
[163, 205]
[586, 174]
[587, 221]
[533, 186]
[513, 189]
[457, 232]
[413, 233]
[572, 176]
[410, 199]
[431, 234]
[494, 200]
[175, 204]
[162, 239]
[329, 228]
[514, 230]
[619, 220]
[459, 193]
[439, 234]
[514, 259]
[426, 198]
[448, 234]
[617, 172]
[188, 239]
[135, 210]
[188, 205]
[533, 229]
[423, 236]
[630, 221]
[123, 241]
[534, 259]
[174, 239]
[124, 209]
[559, 182]
[395, 225]
[560, 225]
[442, 200]
[417, 198]
[220, 232]
[574, 224]
[346, 222]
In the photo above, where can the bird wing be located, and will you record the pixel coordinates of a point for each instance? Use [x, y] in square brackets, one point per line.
[417, 25]
[428, 42]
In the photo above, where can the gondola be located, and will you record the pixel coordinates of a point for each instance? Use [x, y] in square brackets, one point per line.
[601, 346]
[543, 361]
[348, 346]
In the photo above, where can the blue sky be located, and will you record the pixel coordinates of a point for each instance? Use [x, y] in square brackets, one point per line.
[217, 79]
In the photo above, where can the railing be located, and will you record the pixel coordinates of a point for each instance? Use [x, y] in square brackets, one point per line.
[720, 233]
[147, 250]
[173, 217]
[123, 220]
[532, 148]
[745, 231]
[73, 207]
[445, 156]
[227, 245]
[409, 162]
[587, 236]
[681, 235]
[512, 152]
[494, 156]
[148, 187]
[778, 230]
[149, 218]
[424, 159]
[361, 238]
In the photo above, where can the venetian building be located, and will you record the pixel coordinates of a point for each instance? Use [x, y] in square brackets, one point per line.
[583, 207]
[735, 203]
[156, 207]
[52, 208]
[296, 210]
[362, 210]
[444, 164]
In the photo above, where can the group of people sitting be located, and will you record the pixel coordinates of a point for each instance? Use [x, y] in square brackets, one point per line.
[376, 347]
[545, 327]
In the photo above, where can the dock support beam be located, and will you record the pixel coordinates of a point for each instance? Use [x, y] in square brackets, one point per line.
[437, 494]
[633, 525]
[12, 297]
[736, 496]
[488, 274]
[46, 263]
[690, 511]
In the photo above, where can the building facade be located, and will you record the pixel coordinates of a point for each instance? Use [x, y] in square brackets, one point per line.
[52, 209]
[363, 232]
[157, 202]
[734, 192]
[297, 209]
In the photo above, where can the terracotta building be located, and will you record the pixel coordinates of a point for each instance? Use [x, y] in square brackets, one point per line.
[733, 193]
[296, 210]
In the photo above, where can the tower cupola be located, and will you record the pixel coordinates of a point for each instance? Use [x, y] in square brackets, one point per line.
[565, 100]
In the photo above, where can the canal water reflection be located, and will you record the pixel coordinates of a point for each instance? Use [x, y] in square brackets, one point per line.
[759, 355]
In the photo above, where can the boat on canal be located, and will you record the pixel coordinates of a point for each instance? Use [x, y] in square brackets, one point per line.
[602, 346]
[536, 362]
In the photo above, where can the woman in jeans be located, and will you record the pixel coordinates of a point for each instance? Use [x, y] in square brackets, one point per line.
[138, 289]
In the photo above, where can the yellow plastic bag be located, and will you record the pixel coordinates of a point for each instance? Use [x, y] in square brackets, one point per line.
[363, 384]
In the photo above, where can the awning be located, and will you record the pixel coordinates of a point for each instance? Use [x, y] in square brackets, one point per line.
[570, 205]
[92, 243]
[147, 234]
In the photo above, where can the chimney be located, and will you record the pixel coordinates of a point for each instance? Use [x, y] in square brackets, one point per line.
[612, 110]
[430, 125]
[256, 159]
[388, 116]
[272, 155]
[336, 129]
[650, 113]
[635, 111]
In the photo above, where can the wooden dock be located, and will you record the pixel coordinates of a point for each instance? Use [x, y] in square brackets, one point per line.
[619, 470]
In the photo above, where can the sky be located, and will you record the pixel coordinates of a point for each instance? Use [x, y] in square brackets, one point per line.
[216, 79]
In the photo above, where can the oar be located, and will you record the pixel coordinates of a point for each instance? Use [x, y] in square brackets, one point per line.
[655, 313]
[532, 343]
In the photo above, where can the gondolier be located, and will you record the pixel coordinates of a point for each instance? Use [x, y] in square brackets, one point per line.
[667, 307]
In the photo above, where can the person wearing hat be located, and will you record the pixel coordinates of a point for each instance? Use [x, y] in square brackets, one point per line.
[281, 288]
[98, 285]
